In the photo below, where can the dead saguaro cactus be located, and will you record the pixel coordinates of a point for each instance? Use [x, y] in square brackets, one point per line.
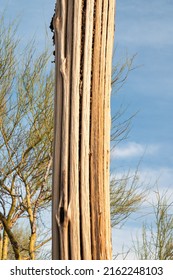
[84, 31]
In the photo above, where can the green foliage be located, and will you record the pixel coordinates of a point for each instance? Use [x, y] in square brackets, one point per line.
[126, 196]
[26, 133]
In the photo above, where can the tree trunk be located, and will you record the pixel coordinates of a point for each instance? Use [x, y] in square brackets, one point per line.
[84, 31]
[5, 246]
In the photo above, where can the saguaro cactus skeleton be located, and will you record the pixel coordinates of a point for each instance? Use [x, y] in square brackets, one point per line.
[84, 31]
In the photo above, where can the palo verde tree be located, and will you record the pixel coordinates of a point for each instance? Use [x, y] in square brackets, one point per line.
[84, 32]
[25, 142]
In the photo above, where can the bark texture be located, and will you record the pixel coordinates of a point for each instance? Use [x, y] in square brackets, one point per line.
[84, 32]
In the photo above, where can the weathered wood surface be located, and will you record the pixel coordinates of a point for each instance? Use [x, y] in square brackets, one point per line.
[84, 31]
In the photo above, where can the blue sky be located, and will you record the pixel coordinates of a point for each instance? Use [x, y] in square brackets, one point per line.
[147, 30]
[144, 28]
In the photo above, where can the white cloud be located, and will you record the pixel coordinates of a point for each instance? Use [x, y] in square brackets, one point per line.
[133, 149]
[163, 176]
[155, 177]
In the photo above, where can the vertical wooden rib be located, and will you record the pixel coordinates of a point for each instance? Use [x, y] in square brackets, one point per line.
[85, 132]
[57, 138]
[102, 216]
[69, 53]
[63, 205]
[74, 135]
[107, 122]
[94, 137]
